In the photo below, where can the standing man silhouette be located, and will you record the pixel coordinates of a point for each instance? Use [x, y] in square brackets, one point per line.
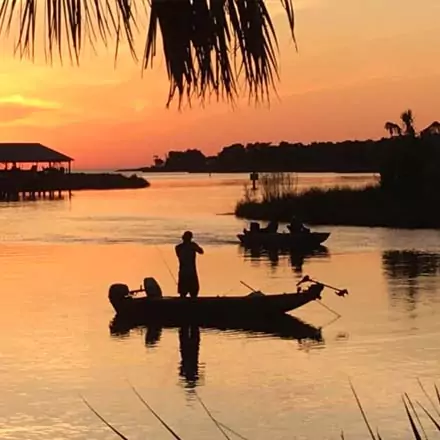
[186, 252]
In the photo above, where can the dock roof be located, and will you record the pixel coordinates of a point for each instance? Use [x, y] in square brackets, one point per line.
[24, 152]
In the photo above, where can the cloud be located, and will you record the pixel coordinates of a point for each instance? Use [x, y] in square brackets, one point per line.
[29, 102]
[15, 108]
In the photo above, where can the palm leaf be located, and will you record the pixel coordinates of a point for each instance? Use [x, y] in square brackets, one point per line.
[436, 424]
[217, 424]
[210, 46]
[429, 397]
[116, 431]
[414, 428]
[364, 416]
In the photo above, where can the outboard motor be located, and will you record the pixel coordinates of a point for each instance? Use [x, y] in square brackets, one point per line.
[118, 295]
[152, 288]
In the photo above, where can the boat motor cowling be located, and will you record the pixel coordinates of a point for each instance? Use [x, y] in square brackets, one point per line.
[118, 294]
[152, 288]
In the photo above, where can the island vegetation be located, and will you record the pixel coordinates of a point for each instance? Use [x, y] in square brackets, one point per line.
[406, 194]
[351, 156]
[31, 183]
[98, 181]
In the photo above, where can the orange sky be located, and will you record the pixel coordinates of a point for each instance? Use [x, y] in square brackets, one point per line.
[360, 63]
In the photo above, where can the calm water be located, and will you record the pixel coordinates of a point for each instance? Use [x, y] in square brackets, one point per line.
[59, 257]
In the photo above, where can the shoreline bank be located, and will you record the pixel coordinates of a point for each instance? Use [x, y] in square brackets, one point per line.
[344, 206]
[17, 185]
[104, 181]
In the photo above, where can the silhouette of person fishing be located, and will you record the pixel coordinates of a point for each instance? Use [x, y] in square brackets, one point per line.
[296, 226]
[188, 282]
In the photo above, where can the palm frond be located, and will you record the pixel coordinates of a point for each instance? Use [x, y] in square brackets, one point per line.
[407, 119]
[209, 46]
[163, 423]
[116, 431]
[217, 424]
[364, 416]
[411, 418]
[393, 129]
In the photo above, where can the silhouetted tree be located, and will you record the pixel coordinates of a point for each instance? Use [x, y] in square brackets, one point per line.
[189, 160]
[393, 129]
[407, 128]
[409, 168]
[210, 46]
[158, 162]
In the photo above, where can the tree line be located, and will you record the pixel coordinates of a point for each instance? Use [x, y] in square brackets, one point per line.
[346, 156]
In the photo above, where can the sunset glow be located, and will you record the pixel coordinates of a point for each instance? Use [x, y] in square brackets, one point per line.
[359, 64]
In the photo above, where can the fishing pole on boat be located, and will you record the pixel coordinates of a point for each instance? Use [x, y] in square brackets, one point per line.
[306, 278]
[330, 322]
[166, 264]
[329, 309]
[249, 287]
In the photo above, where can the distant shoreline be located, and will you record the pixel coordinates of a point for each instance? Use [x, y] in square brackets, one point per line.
[162, 171]
[30, 184]
[343, 206]
[103, 181]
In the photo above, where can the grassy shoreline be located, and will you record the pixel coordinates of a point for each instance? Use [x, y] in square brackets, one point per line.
[104, 181]
[370, 206]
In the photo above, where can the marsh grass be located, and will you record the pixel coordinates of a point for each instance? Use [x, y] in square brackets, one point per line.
[274, 186]
[249, 195]
[416, 427]
[370, 205]
[339, 205]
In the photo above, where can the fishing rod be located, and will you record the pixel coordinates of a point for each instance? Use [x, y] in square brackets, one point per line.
[338, 315]
[249, 287]
[142, 289]
[166, 264]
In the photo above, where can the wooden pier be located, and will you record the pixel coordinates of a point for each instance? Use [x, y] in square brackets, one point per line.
[31, 171]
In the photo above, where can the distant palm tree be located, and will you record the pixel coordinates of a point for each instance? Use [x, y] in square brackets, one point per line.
[408, 123]
[393, 129]
[407, 128]
[209, 45]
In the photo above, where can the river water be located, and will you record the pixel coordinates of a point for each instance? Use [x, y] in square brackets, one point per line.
[59, 257]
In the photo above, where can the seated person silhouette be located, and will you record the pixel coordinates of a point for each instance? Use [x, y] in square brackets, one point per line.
[271, 228]
[296, 226]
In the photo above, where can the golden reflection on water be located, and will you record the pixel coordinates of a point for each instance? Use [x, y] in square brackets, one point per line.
[55, 342]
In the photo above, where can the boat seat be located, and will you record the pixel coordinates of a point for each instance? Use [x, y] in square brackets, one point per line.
[152, 288]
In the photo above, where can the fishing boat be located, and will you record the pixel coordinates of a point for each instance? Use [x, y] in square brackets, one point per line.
[209, 308]
[300, 241]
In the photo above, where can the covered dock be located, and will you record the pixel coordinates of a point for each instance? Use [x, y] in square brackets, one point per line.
[31, 170]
